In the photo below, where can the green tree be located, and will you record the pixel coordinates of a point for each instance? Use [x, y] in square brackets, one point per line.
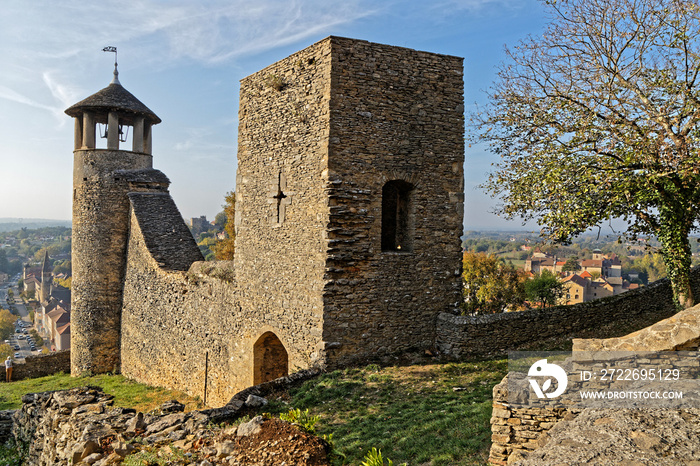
[4, 263]
[598, 118]
[545, 289]
[225, 248]
[7, 321]
[63, 267]
[220, 221]
[571, 265]
[490, 285]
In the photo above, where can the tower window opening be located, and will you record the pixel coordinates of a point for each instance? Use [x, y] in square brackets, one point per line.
[397, 216]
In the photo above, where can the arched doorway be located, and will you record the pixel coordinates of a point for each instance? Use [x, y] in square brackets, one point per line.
[270, 359]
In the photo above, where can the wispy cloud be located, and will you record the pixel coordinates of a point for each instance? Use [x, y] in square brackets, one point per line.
[154, 33]
[65, 94]
[13, 96]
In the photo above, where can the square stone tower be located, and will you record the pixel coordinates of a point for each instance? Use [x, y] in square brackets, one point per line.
[349, 198]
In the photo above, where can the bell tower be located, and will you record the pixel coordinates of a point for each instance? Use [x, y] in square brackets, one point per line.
[101, 219]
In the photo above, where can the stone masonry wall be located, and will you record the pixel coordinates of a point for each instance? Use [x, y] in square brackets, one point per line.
[281, 200]
[100, 224]
[496, 334]
[518, 430]
[178, 327]
[395, 114]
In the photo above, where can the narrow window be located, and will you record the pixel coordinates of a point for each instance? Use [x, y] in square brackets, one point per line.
[397, 216]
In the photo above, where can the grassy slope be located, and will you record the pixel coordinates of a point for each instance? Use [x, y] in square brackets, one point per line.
[411, 413]
[126, 392]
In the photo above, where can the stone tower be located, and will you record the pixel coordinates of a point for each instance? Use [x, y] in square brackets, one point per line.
[101, 220]
[349, 198]
[46, 279]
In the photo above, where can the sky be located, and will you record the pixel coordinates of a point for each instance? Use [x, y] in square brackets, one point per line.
[184, 60]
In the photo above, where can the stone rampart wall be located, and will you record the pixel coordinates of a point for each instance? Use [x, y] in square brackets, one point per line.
[40, 365]
[187, 330]
[496, 334]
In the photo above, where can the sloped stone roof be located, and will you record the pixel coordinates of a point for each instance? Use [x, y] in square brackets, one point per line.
[113, 97]
[145, 175]
[166, 235]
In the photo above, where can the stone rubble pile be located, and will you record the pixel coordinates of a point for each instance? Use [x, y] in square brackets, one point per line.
[81, 427]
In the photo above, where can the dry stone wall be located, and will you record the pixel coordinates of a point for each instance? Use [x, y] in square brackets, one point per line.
[180, 329]
[40, 365]
[496, 334]
[519, 430]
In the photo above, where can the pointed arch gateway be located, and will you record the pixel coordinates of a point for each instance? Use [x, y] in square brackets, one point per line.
[270, 359]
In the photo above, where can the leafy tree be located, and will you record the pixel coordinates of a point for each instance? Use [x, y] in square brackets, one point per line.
[220, 221]
[490, 285]
[64, 282]
[225, 248]
[4, 263]
[7, 321]
[63, 267]
[598, 118]
[571, 265]
[5, 351]
[545, 289]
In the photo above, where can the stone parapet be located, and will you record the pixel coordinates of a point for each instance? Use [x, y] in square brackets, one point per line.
[496, 334]
[677, 333]
[40, 365]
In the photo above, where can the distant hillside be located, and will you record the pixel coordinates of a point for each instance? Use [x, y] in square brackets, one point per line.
[11, 224]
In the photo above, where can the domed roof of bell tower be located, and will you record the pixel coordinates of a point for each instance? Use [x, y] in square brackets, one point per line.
[115, 110]
[113, 98]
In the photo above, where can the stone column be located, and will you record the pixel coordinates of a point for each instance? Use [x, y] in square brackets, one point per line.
[113, 131]
[138, 134]
[88, 130]
[78, 134]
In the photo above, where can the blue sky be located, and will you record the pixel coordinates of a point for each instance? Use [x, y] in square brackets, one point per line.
[184, 59]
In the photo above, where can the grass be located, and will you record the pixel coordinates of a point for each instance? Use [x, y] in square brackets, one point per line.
[127, 393]
[412, 414]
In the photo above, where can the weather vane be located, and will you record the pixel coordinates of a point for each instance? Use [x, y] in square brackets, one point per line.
[110, 48]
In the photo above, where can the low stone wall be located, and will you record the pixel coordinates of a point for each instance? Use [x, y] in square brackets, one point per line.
[517, 431]
[496, 334]
[40, 366]
[67, 427]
